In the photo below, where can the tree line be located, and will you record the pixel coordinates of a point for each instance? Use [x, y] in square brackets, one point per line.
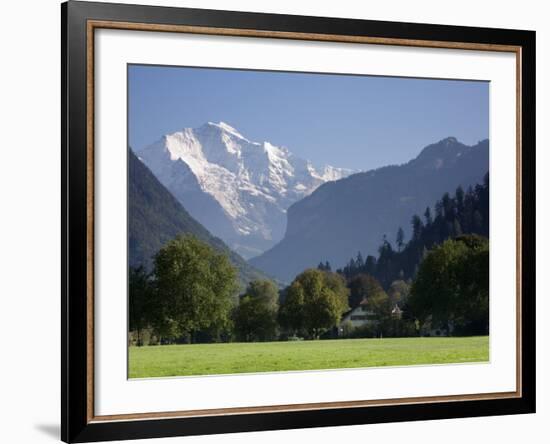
[191, 296]
[467, 212]
[439, 279]
[444, 266]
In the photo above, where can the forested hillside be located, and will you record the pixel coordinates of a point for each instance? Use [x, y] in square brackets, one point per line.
[356, 212]
[465, 212]
[155, 217]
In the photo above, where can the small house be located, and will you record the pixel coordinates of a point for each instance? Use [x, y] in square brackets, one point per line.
[359, 316]
[396, 312]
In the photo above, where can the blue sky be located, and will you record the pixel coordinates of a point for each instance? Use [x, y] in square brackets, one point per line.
[359, 122]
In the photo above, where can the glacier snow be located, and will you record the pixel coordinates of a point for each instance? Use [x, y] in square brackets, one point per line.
[238, 189]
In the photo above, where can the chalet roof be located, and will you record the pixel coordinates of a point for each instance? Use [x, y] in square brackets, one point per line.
[349, 312]
[346, 313]
[396, 309]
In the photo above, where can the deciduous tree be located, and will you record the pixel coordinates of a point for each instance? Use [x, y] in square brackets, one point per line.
[256, 314]
[362, 286]
[452, 286]
[195, 287]
[314, 302]
[140, 292]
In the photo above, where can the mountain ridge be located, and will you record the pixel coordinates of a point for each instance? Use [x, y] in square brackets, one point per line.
[155, 217]
[238, 189]
[363, 207]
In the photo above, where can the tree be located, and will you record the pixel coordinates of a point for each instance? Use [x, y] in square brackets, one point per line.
[459, 197]
[428, 216]
[140, 294]
[399, 292]
[314, 302]
[195, 287]
[452, 286]
[291, 311]
[472, 314]
[464, 213]
[417, 226]
[399, 239]
[337, 284]
[477, 221]
[457, 229]
[352, 267]
[266, 291]
[434, 288]
[438, 210]
[361, 287]
[447, 205]
[379, 303]
[256, 315]
[359, 263]
[385, 266]
[370, 265]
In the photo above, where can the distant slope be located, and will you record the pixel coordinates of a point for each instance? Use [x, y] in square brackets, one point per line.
[355, 213]
[456, 215]
[155, 217]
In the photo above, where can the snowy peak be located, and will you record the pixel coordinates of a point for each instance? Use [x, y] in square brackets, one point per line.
[226, 128]
[252, 183]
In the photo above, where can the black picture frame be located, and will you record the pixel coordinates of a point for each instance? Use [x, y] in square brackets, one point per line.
[76, 423]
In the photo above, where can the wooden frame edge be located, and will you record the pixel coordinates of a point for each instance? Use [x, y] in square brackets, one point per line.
[336, 38]
[90, 211]
[519, 225]
[92, 25]
[284, 408]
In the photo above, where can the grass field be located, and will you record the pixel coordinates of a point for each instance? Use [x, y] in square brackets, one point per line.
[209, 359]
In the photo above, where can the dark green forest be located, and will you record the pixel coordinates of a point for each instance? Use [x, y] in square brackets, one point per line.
[466, 212]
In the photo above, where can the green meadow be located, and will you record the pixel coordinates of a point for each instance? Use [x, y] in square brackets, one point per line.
[227, 358]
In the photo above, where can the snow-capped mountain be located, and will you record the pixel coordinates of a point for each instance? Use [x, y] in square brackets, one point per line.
[238, 189]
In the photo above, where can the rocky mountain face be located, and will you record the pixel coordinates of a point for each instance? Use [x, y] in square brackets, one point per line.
[354, 213]
[156, 217]
[238, 189]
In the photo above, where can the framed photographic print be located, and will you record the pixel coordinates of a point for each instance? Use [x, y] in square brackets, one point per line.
[275, 221]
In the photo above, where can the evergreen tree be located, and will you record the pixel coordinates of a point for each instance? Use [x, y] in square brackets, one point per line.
[399, 239]
[438, 210]
[477, 222]
[428, 217]
[457, 229]
[464, 213]
[370, 265]
[417, 226]
[359, 263]
[447, 206]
